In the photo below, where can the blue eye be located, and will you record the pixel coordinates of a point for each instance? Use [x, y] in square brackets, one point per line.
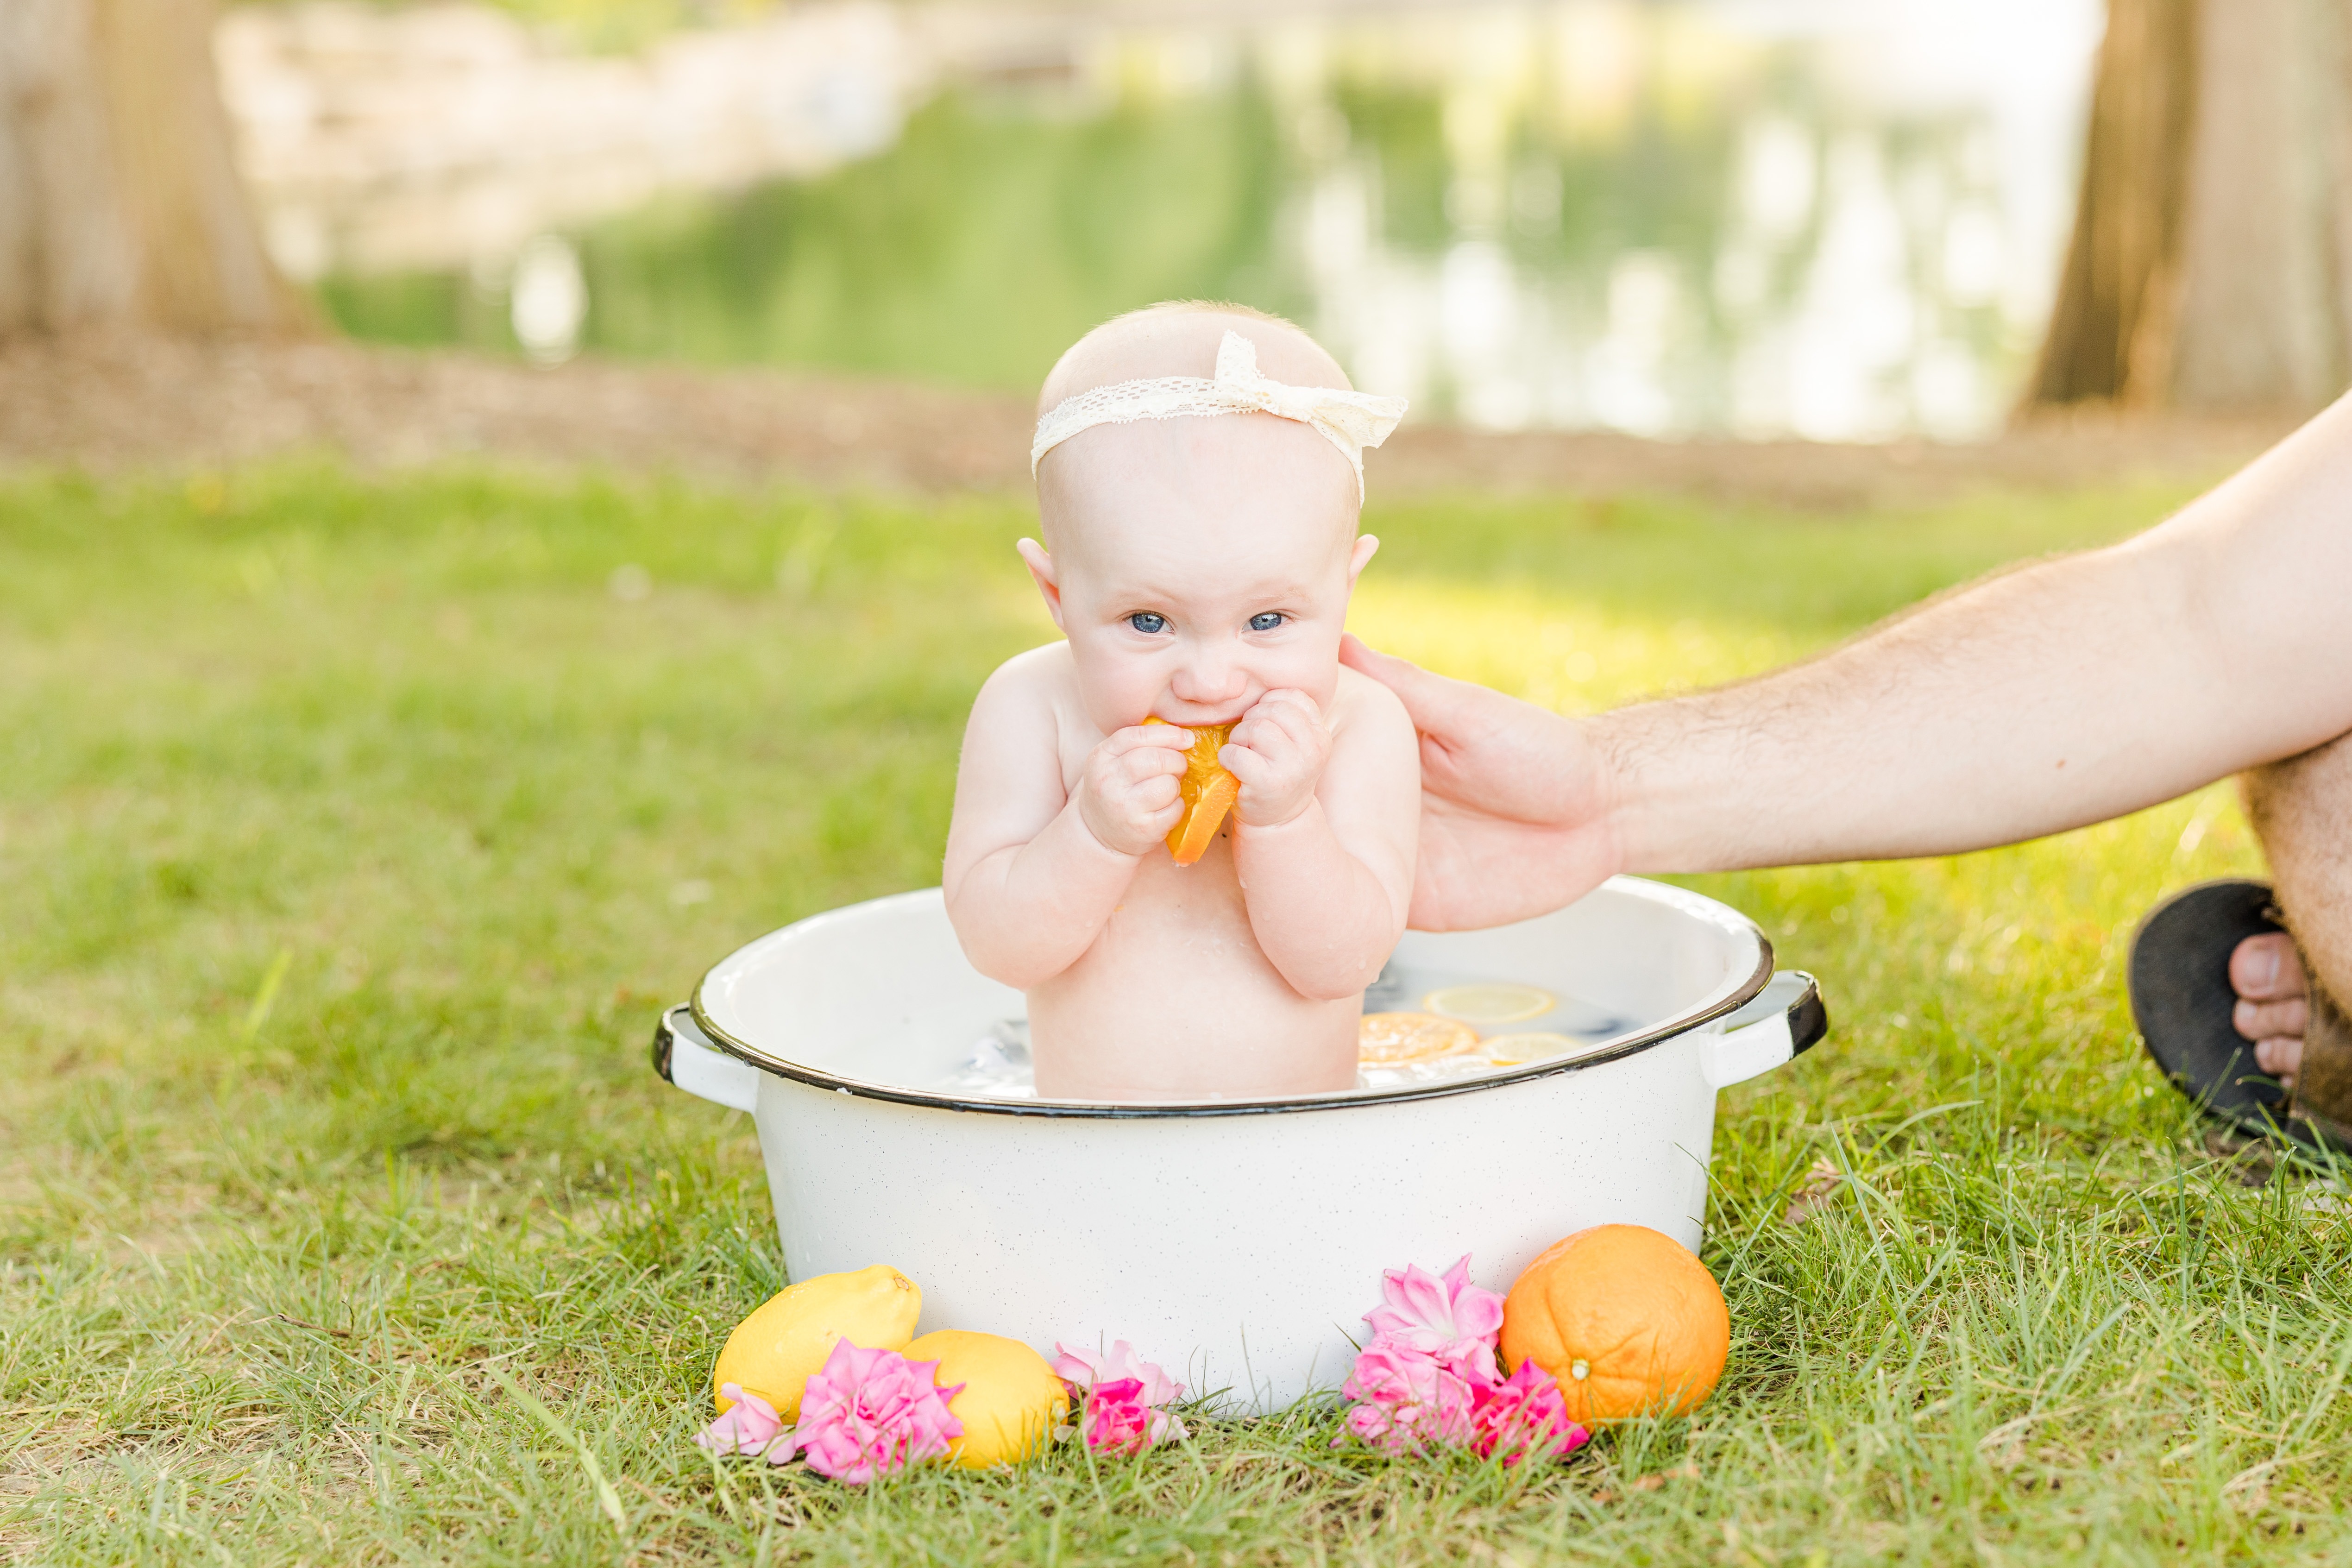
[1266, 620]
[1147, 622]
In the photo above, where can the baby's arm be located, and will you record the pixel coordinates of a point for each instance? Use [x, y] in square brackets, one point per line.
[1326, 830]
[1032, 872]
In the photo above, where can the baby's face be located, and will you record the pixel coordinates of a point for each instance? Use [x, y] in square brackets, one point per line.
[1198, 565]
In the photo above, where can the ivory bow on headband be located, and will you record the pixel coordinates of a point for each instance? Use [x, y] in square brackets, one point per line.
[1350, 421]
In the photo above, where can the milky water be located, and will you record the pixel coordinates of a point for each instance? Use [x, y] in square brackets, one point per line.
[998, 1066]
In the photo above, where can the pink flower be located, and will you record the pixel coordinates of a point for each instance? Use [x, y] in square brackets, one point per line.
[1523, 1414]
[750, 1425]
[1121, 1397]
[1428, 1378]
[1447, 1319]
[1407, 1399]
[869, 1412]
[1115, 1419]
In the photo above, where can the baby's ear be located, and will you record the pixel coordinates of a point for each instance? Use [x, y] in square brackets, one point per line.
[1041, 567]
[1361, 556]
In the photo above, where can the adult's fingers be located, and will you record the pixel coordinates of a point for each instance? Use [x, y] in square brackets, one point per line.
[1421, 691]
[1437, 704]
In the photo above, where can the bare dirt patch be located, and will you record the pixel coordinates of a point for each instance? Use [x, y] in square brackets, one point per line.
[113, 403]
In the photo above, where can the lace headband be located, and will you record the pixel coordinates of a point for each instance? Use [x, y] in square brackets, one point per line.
[1350, 421]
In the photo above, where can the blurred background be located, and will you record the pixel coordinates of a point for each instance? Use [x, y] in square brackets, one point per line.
[1838, 220]
[1832, 219]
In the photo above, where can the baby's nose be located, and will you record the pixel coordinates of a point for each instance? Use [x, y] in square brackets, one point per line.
[1210, 675]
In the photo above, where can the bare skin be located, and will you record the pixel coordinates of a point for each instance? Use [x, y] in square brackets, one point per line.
[1200, 570]
[2041, 700]
[2302, 809]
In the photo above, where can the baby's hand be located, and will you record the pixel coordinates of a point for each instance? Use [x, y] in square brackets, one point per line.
[1277, 751]
[1127, 796]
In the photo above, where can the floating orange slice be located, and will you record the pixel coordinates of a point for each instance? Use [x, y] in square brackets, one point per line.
[1384, 1038]
[1208, 790]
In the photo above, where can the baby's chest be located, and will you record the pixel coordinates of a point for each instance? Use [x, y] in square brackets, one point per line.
[1187, 911]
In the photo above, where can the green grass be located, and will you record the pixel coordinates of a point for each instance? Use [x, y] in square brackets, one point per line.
[353, 830]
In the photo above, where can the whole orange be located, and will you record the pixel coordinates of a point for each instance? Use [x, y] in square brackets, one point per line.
[1626, 1322]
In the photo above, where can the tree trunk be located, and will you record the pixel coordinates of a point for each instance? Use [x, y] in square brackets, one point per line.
[2110, 329]
[2211, 262]
[120, 204]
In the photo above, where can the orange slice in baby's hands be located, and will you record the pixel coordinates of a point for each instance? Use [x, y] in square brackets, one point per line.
[1384, 1039]
[1208, 790]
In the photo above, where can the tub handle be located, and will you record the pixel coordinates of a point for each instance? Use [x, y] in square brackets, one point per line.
[1786, 1019]
[684, 1054]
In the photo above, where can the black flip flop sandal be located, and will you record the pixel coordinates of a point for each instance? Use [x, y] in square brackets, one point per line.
[2180, 997]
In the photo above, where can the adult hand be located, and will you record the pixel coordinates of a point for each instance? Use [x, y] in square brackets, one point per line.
[1514, 800]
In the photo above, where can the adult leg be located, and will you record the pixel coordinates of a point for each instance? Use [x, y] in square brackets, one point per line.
[2302, 811]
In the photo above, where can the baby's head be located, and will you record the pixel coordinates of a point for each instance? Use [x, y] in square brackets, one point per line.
[1196, 564]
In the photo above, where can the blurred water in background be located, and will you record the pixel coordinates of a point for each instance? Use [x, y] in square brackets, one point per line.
[1841, 219]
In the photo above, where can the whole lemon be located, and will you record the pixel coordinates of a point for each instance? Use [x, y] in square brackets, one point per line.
[1010, 1401]
[771, 1352]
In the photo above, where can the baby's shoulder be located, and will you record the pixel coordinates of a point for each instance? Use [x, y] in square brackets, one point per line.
[1044, 671]
[1043, 681]
[1359, 701]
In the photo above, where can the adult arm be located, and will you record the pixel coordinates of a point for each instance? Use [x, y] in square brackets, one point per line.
[2044, 699]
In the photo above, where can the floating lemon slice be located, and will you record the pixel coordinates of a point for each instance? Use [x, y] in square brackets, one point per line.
[1490, 1002]
[1385, 1038]
[1514, 1050]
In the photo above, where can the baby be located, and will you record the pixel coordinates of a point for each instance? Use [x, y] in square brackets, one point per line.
[1199, 550]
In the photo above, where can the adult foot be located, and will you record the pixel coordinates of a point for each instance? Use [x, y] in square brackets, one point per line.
[2272, 1008]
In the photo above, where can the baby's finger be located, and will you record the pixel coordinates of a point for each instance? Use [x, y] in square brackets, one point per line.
[1254, 768]
[1155, 794]
[1269, 748]
[1289, 699]
[1154, 809]
[1302, 723]
[1140, 800]
[1284, 732]
[1147, 762]
[1151, 737]
[1295, 712]
[1268, 718]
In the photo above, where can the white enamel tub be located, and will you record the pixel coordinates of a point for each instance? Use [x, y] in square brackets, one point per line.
[1237, 1242]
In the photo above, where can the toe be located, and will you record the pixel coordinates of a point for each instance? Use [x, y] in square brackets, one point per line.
[2271, 1020]
[2266, 968]
[2280, 1058]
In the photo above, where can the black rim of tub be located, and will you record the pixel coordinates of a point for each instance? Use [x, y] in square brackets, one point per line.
[1807, 1022]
